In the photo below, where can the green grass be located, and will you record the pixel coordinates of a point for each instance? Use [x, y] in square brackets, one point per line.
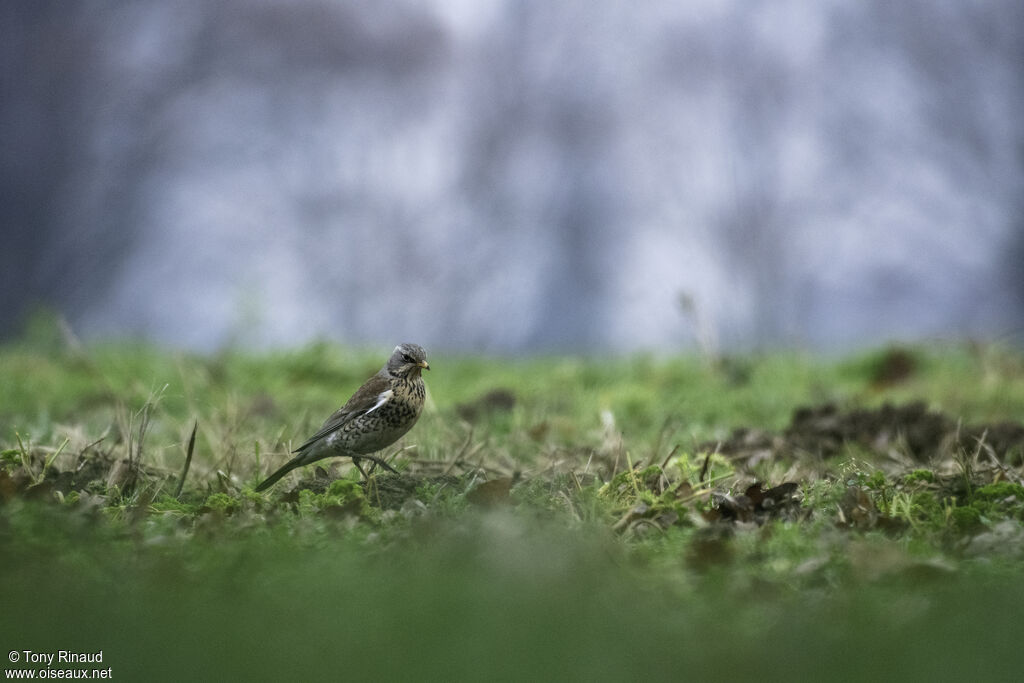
[603, 561]
[493, 595]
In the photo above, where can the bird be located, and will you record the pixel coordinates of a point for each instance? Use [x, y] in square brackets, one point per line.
[378, 414]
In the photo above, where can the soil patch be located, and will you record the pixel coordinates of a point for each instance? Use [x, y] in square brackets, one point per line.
[910, 430]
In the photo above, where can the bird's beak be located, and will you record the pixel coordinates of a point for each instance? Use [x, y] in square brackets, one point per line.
[423, 364]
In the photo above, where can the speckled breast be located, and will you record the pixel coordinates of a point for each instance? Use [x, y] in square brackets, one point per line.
[382, 427]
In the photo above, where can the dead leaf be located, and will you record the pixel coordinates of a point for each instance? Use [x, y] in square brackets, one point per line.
[493, 493]
[780, 495]
[755, 493]
[857, 510]
[684, 490]
[733, 507]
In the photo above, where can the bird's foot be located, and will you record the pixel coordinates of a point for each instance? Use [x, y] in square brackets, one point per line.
[376, 461]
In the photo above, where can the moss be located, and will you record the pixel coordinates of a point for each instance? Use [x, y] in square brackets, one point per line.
[998, 500]
[926, 508]
[920, 476]
[966, 518]
[249, 495]
[345, 489]
[343, 497]
[627, 486]
[877, 480]
[1000, 491]
[10, 456]
[221, 502]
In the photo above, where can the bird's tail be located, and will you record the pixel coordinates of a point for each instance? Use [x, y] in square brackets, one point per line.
[304, 458]
[298, 461]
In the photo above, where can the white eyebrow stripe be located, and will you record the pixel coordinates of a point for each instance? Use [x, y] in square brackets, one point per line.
[381, 400]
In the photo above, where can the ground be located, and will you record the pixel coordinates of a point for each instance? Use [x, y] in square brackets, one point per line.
[769, 516]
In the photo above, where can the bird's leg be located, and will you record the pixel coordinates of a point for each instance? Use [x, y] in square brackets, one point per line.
[359, 466]
[377, 461]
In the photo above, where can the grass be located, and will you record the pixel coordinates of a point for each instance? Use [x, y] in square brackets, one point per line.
[614, 541]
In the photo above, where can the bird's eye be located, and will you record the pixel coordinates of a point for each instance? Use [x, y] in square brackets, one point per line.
[407, 358]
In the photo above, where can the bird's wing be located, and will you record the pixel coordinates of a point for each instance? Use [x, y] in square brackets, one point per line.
[372, 395]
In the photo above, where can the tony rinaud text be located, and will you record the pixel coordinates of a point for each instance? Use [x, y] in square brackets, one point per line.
[63, 657]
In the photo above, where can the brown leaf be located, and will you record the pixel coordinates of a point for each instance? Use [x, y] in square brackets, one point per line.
[733, 507]
[856, 509]
[711, 515]
[755, 493]
[684, 490]
[779, 495]
[492, 493]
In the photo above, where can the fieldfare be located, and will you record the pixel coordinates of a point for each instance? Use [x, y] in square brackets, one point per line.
[377, 415]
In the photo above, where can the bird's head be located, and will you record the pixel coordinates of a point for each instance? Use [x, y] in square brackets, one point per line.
[407, 361]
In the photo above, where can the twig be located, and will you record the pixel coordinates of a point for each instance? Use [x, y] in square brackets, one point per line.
[707, 462]
[669, 456]
[661, 436]
[94, 443]
[995, 460]
[188, 459]
[590, 459]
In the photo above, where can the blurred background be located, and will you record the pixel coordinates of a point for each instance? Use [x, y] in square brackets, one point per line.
[514, 175]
